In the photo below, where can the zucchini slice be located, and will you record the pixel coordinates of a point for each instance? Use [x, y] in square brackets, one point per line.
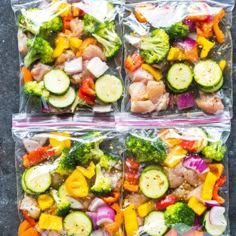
[37, 179]
[214, 88]
[207, 74]
[179, 77]
[154, 223]
[153, 183]
[214, 230]
[56, 81]
[108, 88]
[64, 100]
[24, 186]
[78, 223]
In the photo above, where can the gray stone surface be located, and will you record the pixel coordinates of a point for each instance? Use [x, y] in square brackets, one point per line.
[9, 101]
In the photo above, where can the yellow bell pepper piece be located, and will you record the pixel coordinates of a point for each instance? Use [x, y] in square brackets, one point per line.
[59, 141]
[197, 206]
[74, 43]
[154, 72]
[88, 172]
[222, 64]
[61, 43]
[76, 184]
[208, 186]
[75, 10]
[217, 169]
[64, 9]
[175, 156]
[50, 222]
[206, 44]
[176, 54]
[131, 222]
[45, 201]
[145, 208]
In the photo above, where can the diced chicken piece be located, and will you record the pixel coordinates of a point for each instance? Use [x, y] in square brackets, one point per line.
[138, 91]
[136, 198]
[142, 106]
[140, 75]
[210, 103]
[93, 51]
[22, 42]
[192, 177]
[77, 27]
[68, 55]
[163, 102]
[155, 89]
[39, 70]
[35, 142]
[182, 192]
[30, 205]
[74, 66]
[97, 67]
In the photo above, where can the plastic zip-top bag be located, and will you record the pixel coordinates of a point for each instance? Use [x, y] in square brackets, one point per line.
[92, 176]
[178, 57]
[70, 55]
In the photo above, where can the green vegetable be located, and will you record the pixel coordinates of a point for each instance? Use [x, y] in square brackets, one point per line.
[30, 20]
[66, 163]
[108, 161]
[87, 147]
[146, 148]
[40, 49]
[178, 31]
[155, 47]
[108, 37]
[215, 151]
[90, 24]
[102, 183]
[63, 206]
[179, 213]
[37, 89]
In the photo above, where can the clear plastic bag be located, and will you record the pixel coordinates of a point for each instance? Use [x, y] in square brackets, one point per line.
[191, 39]
[64, 47]
[167, 172]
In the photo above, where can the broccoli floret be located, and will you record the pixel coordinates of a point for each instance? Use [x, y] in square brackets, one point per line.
[90, 24]
[87, 147]
[146, 148]
[37, 89]
[179, 213]
[155, 47]
[40, 49]
[178, 31]
[65, 163]
[107, 36]
[215, 151]
[102, 185]
[63, 206]
[31, 20]
[108, 161]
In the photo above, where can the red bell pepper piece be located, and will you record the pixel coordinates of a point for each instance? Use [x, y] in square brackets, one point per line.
[165, 202]
[87, 98]
[132, 164]
[27, 217]
[220, 182]
[132, 177]
[66, 22]
[88, 87]
[37, 156]
[187, 144]
[133, 62]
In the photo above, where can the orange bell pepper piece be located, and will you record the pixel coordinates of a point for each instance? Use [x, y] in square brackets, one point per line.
[26, 229]
[85, 44]
[26, 74]
[130, 187]
[217, 31]
[114, 196]
[139, 16]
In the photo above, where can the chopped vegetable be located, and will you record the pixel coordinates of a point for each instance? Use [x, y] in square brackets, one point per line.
[206, 46]
[222, 64]
[185, 100]
[208, 186]
[26, 229]
[219, 183]
[50, 222]
[26, 74]
[85, 44]
[217, 31]
[196, 163]
[112, 198]
[216, 216]
[130, 220]
[145, 208]
[61, 43]
[131, 187]
[166, 201]
[133, 62]
[45, 201]
[178, 30]
[38, 156]
[176, 54]
[146, 148]
[102, 183]
[217, 169]
[108, 37]
[105, 214]
[88, 172]
[139, 16]
[36, 89]
[154, 72]
[155, 47]
[197, 206]
[87, 87]
[90, 24]
[215, 150]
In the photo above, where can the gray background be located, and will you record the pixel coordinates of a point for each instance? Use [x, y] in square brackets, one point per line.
[9, 101]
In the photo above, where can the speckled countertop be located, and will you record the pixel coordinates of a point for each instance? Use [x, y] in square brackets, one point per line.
[9, 100]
